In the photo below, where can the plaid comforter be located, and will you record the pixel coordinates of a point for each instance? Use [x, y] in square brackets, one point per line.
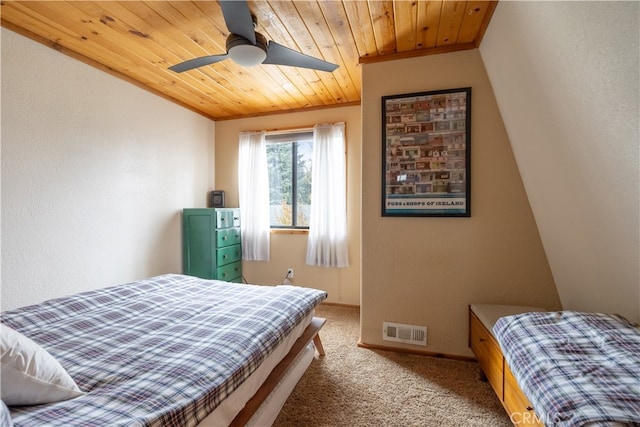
[161, 351]
[575, 368]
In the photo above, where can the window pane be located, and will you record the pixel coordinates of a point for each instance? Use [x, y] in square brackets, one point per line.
[289, 162]
[279, 157]
[303, 187]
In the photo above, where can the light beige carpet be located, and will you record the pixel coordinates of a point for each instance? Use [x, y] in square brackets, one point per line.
[353, 386]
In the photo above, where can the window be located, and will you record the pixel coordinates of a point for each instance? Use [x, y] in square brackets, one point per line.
[286, 173]
[289, 157]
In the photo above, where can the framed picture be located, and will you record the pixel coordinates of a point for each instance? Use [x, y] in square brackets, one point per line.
[426, 148]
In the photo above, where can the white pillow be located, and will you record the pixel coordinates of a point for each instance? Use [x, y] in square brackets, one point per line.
[30, 375]
[5, 415]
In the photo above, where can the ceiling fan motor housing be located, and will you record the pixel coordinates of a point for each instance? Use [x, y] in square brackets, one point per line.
[245, 53]
[246, 47]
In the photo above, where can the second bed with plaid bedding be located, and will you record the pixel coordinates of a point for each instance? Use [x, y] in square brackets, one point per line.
[576, 368]
[161, 351]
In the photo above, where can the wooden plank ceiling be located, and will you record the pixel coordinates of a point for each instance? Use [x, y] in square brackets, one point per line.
[139, 40]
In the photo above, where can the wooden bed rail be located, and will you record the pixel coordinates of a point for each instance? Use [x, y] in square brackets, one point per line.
[309, 334]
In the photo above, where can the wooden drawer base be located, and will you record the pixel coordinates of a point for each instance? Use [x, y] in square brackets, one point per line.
[516, 403]
[491, 361]
[488, 354]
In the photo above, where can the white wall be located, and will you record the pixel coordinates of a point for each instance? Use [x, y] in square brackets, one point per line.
[565, 76]
[95, 172]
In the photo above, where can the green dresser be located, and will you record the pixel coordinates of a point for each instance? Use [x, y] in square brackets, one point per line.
[211, 246]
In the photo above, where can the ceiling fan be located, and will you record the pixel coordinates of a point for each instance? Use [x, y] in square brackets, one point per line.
[247, 47]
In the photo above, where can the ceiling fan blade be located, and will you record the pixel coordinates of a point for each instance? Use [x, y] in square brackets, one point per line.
[197, 62]
[237, 16]
[281, 55]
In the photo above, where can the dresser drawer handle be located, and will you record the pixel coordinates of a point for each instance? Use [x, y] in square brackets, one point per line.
[529, 408]
[482, 340]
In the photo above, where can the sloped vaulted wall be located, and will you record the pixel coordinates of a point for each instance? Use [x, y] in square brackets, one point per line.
[565, 76]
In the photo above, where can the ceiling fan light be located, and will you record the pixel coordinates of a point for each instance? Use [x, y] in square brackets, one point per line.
[247, 55]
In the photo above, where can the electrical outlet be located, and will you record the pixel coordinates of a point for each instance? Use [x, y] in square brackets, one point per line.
[289, 273]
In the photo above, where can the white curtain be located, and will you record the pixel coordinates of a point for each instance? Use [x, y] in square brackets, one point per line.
[327, 245]
[253, 189]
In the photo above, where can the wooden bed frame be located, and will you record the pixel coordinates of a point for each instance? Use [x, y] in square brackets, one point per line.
[309, 334]
[494, 367]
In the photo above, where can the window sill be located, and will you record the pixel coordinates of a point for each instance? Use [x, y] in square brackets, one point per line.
[289, 231]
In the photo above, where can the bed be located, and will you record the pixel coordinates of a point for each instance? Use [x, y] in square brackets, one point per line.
[576, 368]
[171, 350]
[562, 368]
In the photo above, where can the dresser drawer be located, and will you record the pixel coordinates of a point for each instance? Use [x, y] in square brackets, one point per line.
[227, 237]
[230, 272]
[227, 218]
[488, 354]
[228, 254]
[516, 403]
